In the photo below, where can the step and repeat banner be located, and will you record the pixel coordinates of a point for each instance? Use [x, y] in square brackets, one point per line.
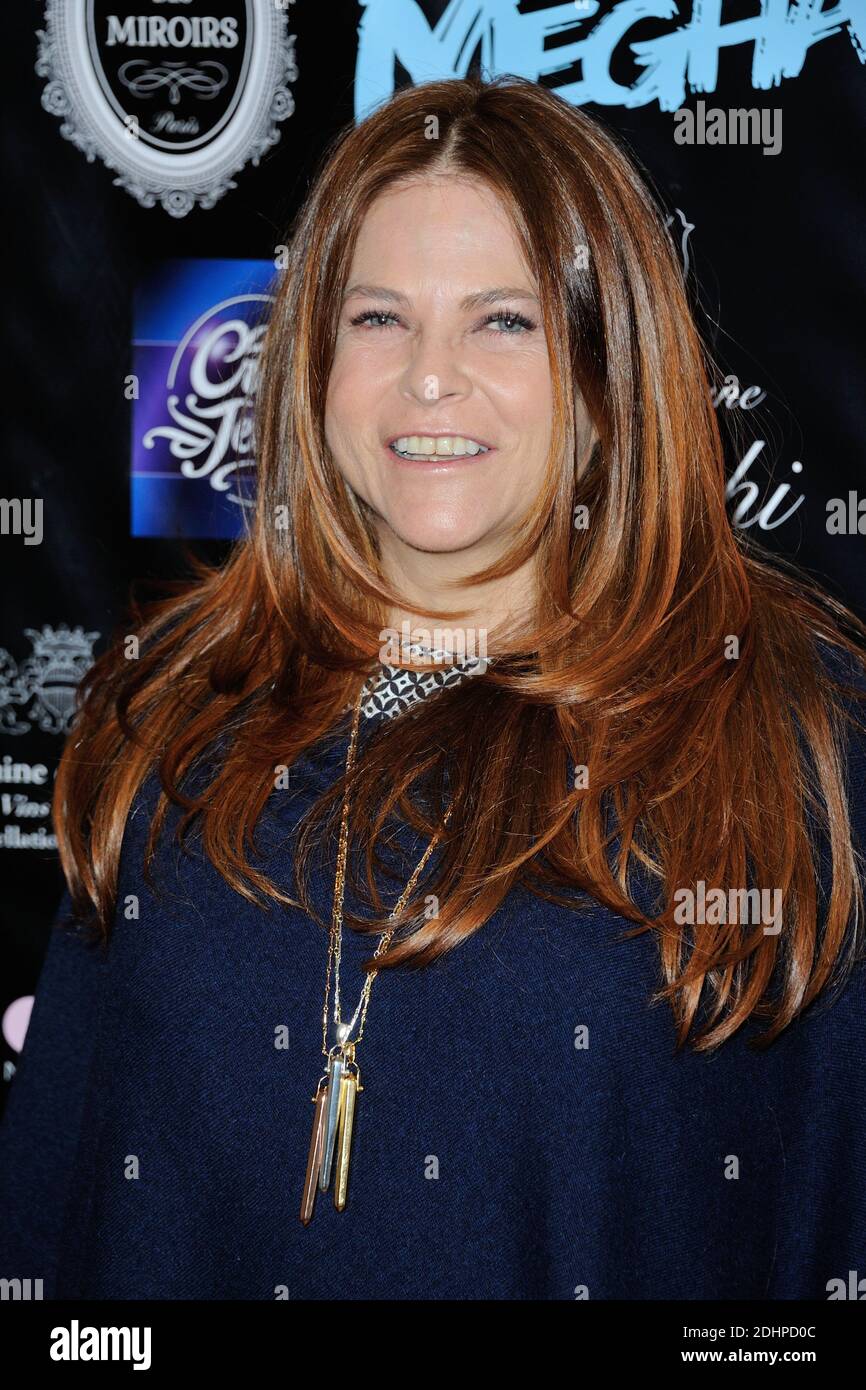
[154, 154]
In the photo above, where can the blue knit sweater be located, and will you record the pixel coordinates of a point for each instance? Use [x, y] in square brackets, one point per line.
[526, 1128]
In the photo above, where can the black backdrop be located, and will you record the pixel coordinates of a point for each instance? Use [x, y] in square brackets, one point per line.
[776, 261]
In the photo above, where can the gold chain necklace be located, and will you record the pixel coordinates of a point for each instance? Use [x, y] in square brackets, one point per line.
[338, 1087]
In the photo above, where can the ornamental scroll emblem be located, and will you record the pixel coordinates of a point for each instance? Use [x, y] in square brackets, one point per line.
[175, 101]
[40, 693]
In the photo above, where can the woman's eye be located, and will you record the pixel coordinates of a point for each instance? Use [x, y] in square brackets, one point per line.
[503, 323]
[374, 318]
[506, 322]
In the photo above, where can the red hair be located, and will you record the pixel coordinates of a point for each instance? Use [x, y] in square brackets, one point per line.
[706, 767]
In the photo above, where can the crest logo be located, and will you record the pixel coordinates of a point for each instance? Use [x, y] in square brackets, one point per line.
[46, 680]
[176, 101]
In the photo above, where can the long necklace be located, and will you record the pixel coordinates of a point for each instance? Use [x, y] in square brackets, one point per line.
[338, 1087]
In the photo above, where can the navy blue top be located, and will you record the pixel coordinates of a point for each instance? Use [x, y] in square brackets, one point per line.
[156, 1136]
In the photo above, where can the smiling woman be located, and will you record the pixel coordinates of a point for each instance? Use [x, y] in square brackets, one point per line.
[483, 403]
[439, 402]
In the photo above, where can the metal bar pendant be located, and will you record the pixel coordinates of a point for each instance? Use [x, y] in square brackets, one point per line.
[349, 1086]
[335, 1076]
[314, 1161]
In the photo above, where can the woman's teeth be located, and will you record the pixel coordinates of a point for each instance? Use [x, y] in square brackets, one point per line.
[424, 446]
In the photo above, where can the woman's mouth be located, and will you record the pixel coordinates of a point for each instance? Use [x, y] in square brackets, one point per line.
[431, 448]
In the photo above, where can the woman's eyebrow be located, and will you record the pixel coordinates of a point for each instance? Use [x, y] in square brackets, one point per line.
[375, 292]
[482, 297]
[471, 301]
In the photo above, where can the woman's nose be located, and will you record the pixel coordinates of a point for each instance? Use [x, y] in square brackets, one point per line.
[434, 368]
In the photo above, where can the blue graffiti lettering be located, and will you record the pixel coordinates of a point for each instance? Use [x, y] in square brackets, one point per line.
[673, 64]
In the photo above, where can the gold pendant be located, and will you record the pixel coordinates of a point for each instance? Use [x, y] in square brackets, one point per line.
[348, 1092]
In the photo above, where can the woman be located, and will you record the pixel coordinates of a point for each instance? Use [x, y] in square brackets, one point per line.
[438, 803]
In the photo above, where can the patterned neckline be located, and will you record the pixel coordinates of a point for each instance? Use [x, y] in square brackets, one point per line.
[392, 689]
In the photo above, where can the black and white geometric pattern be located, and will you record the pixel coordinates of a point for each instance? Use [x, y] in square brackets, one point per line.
[392, 689]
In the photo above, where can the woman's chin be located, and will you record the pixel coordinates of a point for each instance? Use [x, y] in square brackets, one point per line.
[441, 539]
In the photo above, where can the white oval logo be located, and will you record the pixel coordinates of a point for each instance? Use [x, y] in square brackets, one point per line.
[175, 101]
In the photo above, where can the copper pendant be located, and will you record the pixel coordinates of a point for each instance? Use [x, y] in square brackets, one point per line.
[314, 1161]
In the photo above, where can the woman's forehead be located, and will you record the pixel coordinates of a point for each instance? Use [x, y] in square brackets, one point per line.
[452, 231]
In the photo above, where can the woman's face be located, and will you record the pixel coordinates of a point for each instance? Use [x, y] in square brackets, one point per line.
[439, 401]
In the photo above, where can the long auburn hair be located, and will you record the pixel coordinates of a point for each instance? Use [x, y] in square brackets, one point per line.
[708, 765]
